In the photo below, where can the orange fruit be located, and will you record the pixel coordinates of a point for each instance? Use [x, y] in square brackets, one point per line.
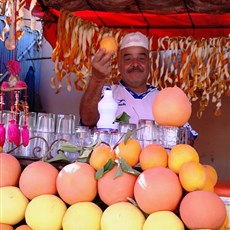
[192, 176]
[109, 44]
[157, 189]
[153, 155]
[129, 151]
[225, 224]
[23, 227]
[38, 178]
[6, 227]
[212, 173]
[171, 107]
[208, 186]
[10, 169]
[179, 154]
[202, 210]
[112, 190]
[77, 182]
[101, 155]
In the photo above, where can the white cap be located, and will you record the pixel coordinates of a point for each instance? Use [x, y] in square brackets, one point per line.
[134, 39]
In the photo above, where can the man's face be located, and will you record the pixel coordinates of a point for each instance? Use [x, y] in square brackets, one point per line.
[134, 66]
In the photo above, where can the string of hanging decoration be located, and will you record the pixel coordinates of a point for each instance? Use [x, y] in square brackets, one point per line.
[200, 67]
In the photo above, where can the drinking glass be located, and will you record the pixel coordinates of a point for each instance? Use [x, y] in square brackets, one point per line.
[81, 138]
[168, 136]
[115, 137]
[30, 121]
[45, 128]
[65, 127]
[146, 133]
[101, 135]
[125, 126]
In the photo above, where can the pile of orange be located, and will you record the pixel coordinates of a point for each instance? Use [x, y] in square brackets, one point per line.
[174, 190]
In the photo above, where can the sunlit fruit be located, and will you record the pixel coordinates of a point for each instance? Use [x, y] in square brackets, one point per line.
[202, 210]
[45, 212]
[212, 173]
[122, 215]
[77, 182]
[179, 154]
[82, 215]
[153, 155]
[166, 220]
[208, 184]
[10, 169]
[192, 176]
[13, 205]
[101, 155]
[38, 178]
[23, 227]
[157, 189]
[113, 189]
[129, 150]
[109, 44]
[171, 107]
[6, 227]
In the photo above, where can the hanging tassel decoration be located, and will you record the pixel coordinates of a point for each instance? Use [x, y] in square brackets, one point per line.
[14, 133]
[2, 134]
[25, 135]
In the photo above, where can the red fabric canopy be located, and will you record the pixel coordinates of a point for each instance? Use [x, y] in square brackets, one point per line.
[153, 19]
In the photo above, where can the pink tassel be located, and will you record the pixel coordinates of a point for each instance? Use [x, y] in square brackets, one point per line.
[25, 135]
[14, 133]
[2, 134]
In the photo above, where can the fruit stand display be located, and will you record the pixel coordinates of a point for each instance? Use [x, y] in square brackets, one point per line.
[77, 196]
[124, 187]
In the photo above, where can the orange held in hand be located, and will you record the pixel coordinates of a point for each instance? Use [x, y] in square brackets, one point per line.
[109, 44]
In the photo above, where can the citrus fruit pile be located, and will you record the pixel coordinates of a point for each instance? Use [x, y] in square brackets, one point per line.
[170, 190]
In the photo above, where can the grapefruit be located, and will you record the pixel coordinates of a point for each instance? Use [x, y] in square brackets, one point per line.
[9, 177]
[38, 178]
[112, 190]
[82, 215]
[76, 182]
[157, 189]
[166, 220]
[202, 210]
[171, 107]
[13, 205]
[122, 215]
[45, 212]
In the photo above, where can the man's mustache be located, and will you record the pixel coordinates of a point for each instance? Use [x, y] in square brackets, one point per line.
[135, 68]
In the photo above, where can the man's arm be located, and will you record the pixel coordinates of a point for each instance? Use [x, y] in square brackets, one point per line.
[101, 70]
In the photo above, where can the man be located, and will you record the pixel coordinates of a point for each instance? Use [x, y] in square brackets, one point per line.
[133, 95]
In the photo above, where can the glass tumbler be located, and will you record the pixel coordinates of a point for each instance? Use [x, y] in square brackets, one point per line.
[45, 133]
[65, 128]
[146, 133]
[125, 126]
[82, 138]
[30, 121]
